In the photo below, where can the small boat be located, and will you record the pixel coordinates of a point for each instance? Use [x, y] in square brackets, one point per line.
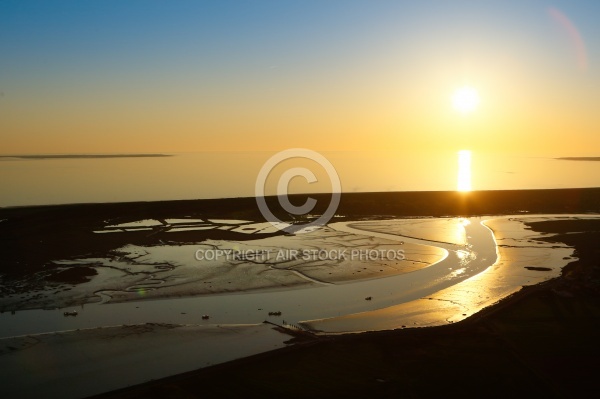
[278, 313]
[205, 317]
[73, 313]
[368, 298]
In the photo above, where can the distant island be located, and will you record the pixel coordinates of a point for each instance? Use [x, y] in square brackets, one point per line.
[82, 156]
[579, 159]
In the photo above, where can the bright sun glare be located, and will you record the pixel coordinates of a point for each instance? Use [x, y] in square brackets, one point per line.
[465, 99]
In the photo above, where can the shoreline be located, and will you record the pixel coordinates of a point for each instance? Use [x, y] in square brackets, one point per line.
[347, 300]
[473, 202]
[464, 294]
[53, 232]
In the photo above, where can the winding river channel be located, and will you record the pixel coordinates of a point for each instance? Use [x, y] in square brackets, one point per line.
[296, 304]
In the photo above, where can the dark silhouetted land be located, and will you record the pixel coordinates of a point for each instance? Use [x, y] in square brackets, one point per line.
[85, 156]
[579, 158]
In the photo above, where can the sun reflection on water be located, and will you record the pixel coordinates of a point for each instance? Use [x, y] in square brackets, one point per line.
[464, 171]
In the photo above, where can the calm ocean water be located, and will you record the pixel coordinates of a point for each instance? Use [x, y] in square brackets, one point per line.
[234, 174]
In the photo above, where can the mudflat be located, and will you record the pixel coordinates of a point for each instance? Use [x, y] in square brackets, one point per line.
[524, 343]
[540, 341]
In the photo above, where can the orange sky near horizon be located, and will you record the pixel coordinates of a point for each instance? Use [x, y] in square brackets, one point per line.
[377, 80]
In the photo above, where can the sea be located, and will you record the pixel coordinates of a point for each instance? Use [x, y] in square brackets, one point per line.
[90, 178]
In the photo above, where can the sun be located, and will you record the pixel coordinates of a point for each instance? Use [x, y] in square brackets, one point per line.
[465, 99]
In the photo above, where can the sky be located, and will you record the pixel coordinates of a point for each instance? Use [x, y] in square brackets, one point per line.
[188, 76]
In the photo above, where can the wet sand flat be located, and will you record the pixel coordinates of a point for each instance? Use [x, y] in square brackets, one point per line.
[135, 272]
[81, 363]
[465, 277]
